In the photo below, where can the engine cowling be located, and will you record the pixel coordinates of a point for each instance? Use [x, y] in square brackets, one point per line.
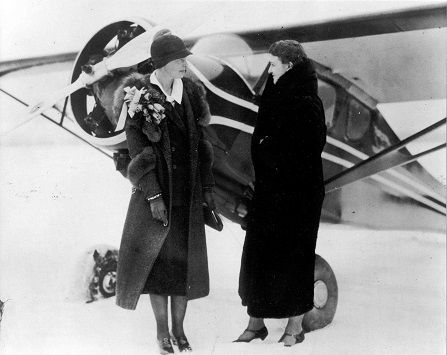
[91, 110]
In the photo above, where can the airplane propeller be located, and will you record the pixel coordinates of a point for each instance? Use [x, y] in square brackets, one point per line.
[132, 53]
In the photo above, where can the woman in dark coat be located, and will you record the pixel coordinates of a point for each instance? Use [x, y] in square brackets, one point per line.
[277, 267]
[163, 248]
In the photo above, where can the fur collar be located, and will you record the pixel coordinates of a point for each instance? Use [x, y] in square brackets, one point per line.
[301, 80]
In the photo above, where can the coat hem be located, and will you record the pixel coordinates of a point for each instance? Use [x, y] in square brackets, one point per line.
[131, 307]
[278, 314]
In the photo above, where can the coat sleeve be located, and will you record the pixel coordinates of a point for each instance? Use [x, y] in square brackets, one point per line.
[141, 169]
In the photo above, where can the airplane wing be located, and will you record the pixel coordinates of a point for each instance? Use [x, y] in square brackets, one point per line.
[354, 48]
[9, 66]
[418, 18]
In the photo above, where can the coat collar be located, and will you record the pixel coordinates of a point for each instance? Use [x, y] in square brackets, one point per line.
[300, 80]
[177, 89]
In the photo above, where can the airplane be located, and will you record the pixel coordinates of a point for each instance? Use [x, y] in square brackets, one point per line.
[362, 62]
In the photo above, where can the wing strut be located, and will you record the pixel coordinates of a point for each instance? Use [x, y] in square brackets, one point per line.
[386, 159]
[60, 123]
[64, 110]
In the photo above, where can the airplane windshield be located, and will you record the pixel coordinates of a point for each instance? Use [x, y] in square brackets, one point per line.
[249, 66]
[234, 51]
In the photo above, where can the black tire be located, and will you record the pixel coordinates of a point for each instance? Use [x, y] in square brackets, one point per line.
[107, 280]
[325, 297]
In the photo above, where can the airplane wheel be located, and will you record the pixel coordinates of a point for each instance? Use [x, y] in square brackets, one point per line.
[107, 280]
[325, 297]
[100, 264]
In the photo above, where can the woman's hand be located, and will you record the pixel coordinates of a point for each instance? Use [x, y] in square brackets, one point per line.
[209, 199]
[159, 211]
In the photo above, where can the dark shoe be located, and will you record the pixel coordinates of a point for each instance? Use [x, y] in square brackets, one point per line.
[182, 343]
[255, 334]
[165, 346]
[282, 337]
[299, 338]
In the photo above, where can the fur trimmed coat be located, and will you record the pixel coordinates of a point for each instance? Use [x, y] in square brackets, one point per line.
[150, 172]
[278, 259]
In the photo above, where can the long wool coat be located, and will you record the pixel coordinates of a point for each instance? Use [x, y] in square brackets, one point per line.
[277, 268]
[150, 172]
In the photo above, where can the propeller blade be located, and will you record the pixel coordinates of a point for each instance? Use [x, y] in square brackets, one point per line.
[53, 98]
[133, 52]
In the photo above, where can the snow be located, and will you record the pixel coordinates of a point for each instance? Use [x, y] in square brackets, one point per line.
[60, 199]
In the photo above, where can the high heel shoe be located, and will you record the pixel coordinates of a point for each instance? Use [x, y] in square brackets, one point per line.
[256, 334]
[165, 346]
[182, 343]
[299, 338]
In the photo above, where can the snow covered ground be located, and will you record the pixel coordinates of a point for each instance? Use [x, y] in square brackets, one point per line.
[59, 198]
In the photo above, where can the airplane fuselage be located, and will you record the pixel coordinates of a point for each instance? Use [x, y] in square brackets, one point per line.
[403, 197]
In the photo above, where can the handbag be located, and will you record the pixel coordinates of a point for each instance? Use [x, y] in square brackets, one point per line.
[211, 218]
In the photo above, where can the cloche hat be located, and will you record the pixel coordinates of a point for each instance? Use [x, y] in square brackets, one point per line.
[167, 48]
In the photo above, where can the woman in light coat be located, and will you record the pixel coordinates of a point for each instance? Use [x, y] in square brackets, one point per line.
[163, 247]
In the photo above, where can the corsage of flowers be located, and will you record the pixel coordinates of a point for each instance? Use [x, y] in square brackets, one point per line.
[150, 103]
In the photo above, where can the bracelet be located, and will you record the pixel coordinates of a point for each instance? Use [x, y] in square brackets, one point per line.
[153, 197]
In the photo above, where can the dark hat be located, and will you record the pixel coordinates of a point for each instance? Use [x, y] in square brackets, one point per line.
[167, 48]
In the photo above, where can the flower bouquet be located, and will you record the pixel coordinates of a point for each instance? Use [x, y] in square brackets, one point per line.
[150, 103]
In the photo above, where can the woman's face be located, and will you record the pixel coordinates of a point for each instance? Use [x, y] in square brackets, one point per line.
[277, 68]
[176, 68]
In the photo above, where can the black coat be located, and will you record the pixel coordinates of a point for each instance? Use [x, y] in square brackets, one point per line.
[277, 268]
[150, 172]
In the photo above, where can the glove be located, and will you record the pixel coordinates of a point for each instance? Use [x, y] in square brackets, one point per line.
[208, 196]
[159, 211]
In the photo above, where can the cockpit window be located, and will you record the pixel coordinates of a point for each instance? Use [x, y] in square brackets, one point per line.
[358, 120]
